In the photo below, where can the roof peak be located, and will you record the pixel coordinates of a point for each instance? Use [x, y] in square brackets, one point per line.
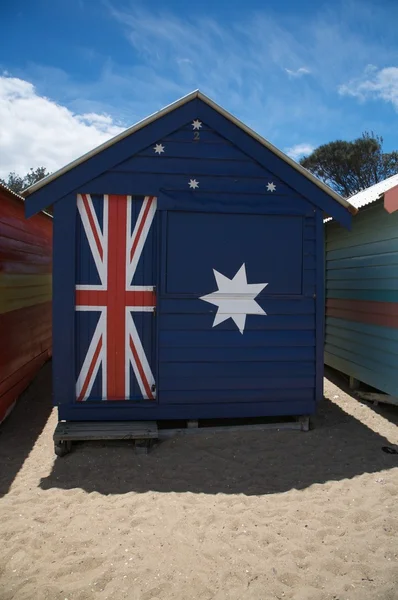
[196, 94]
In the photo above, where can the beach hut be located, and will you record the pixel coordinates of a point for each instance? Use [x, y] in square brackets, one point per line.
[188, 273]
[362, 292]
[25, 296]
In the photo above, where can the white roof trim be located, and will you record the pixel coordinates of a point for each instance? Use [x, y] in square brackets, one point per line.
[166, 110]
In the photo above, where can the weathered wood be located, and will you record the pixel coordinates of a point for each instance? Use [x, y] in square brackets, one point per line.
[105, 430]
[354, 383]
[304, 422]
[142, 446]
[376, 398]
[62, 448]
[168, 433]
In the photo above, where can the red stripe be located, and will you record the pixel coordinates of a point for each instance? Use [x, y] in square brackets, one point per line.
[140, 298]
[90, 371]
[91, 298]
[384, 314]
[368, 306]
[116, 313]
[93, 225]
[141, 370]
[100, 298]
[141, 226]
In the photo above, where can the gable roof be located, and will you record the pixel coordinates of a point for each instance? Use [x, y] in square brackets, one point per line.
[166, 111]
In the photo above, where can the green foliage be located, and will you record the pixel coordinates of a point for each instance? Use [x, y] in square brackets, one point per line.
[349, 167]
[16, 183]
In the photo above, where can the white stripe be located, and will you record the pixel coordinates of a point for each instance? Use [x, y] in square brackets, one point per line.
[129, 217]
[133, 333]
[93, 308]
[144, 234]
[141, 308]
[99, 331]
[141, 288]
[90, 235]
[90, 288]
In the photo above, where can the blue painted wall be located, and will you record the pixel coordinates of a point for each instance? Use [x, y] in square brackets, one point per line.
[276, 366]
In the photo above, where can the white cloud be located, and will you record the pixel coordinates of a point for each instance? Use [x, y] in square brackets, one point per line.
[36, 131]
[374, 83]
[299, 73]
[299, 150]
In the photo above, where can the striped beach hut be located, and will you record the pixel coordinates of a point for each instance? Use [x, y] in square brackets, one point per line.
[362, 291]
[25, 296]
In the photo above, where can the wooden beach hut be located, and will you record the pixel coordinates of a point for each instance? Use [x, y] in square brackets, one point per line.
[25, 296]
[188, 273]
[362, 291]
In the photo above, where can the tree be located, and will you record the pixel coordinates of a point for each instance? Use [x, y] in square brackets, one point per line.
[349, 167]
[16, 183]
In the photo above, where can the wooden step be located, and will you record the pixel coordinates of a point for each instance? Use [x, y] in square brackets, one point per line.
[69, 431]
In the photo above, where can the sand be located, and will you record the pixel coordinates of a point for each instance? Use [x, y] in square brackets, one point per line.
[259, 515]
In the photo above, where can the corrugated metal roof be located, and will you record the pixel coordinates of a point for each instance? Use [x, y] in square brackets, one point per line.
[374, 192]
[171, 107]
[11, 192]
[5, 188]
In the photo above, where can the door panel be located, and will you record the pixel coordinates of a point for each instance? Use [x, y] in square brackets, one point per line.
[232, 287]
[115, 298]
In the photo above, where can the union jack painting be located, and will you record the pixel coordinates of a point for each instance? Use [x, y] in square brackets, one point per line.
[113, 358]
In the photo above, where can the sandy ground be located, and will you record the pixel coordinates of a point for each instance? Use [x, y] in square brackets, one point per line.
[259, 515]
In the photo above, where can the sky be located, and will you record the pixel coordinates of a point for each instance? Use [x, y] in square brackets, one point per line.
[75, 73]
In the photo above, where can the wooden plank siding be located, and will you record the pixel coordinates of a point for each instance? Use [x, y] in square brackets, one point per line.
[25, 296]
[362, 298]
[251, 223]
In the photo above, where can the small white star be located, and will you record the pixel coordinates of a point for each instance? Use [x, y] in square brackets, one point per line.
[159, 149]
[193, 184]
[196, 124]
[271, 187]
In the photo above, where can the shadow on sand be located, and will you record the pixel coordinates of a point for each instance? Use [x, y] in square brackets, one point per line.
[251, 463]
[20, 430]
[388, 411]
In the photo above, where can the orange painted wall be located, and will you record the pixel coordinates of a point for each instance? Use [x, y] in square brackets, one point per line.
[25, 296]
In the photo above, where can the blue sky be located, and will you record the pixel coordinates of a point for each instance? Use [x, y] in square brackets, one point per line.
[300, 73]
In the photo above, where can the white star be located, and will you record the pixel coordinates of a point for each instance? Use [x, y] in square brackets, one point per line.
[159, 149]
[271, 187]
[193, 184]
[196, 124]
[235, 298]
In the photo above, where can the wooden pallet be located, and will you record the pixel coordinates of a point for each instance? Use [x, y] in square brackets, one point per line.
[193, 428]
[66, 432]
[376, 398]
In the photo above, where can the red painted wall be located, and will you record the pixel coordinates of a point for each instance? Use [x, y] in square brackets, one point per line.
[25, 296]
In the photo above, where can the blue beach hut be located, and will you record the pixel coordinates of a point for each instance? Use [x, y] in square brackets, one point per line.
[188, 273]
